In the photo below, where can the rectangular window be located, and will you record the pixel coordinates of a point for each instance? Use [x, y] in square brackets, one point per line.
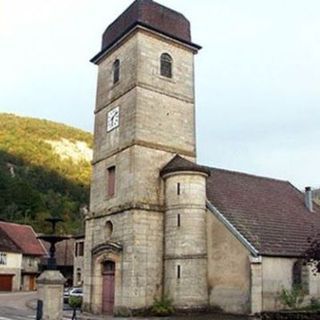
[3, 258]
[178, 220]
[111, 181]
[81, 249]
[178, 271]
[178, 188]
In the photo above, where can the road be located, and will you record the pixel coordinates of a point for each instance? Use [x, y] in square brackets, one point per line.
[21, 306]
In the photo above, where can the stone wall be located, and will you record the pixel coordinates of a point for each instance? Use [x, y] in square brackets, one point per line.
[138, 278]
[228, 269]
[185, 239]
[277, 274]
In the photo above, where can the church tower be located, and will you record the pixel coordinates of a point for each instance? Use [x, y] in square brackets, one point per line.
[144, 116]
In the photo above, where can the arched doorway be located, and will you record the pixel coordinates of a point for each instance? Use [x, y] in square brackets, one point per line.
[108, 275]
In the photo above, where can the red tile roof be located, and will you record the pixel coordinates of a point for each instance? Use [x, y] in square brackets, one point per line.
[24, 238]
[6, 244]
[269, 213]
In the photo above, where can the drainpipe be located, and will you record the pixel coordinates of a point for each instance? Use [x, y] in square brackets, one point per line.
[308, 199]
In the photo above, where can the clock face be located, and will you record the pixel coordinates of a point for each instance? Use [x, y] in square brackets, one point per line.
[113, 119]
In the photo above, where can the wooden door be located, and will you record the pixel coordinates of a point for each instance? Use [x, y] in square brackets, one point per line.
[32, 283]
[108, 275]
[6, 282]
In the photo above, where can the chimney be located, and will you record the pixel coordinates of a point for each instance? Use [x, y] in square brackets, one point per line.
[308, 199]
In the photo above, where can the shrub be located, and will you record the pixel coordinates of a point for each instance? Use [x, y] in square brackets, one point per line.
[292, 298]
[75, 302]
[162, 306]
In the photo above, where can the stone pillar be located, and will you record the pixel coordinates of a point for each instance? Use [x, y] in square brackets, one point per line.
[50, 291]
[256, 284]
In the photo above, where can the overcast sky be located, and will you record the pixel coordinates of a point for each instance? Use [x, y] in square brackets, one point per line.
[257, 76]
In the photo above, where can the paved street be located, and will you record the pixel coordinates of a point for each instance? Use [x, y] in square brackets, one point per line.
[21, 306]
[13, 306]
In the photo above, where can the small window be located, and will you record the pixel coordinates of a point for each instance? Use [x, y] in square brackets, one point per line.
[76, 249]
[111, 181]
[81, 249]
[116, 71]
[178, 220]
[109, 229]
[178, 271]
[297, 274]
[166, 65]
[3, 258]
[78, 275]
[300, 276]
[178, 188]
[108, 267]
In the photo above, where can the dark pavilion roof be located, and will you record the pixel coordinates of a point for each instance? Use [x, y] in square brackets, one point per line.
[181, 164]
[23, 238]
[151, 15]
[269, 213]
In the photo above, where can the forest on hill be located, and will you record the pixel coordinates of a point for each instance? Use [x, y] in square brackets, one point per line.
[44, 171]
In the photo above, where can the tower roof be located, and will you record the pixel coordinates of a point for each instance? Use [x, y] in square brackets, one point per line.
[151, 15]
[178, 164]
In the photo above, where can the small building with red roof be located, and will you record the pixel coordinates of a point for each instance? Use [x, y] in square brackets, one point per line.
[20, 254]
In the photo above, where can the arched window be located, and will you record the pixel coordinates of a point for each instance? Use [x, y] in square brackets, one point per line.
[300, 276]
[166, 65]
[297, 274]
[116, 71]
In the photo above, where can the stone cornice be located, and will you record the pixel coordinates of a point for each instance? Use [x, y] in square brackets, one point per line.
[126, 207]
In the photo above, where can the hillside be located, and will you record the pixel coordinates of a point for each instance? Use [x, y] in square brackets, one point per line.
[44, 170]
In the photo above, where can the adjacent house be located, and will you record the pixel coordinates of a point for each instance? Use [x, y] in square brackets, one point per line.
[20, 254]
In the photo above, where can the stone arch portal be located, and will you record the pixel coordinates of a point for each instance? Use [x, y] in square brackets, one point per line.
[106, 279]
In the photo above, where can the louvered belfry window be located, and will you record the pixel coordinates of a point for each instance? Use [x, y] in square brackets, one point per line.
[166, 65]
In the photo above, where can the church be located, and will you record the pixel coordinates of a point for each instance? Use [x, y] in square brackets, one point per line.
[160, 224]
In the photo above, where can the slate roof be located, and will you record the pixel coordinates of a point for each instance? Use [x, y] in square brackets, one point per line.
[269, 213]
[181, 164]
[151, 15]
[23, 238]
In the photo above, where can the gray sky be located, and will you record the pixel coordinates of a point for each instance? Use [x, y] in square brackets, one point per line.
[257, 76]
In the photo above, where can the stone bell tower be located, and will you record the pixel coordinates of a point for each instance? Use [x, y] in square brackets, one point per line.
[144, 115]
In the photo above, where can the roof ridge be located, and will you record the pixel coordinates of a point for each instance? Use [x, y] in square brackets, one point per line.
[247, 174]
[17, 224]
